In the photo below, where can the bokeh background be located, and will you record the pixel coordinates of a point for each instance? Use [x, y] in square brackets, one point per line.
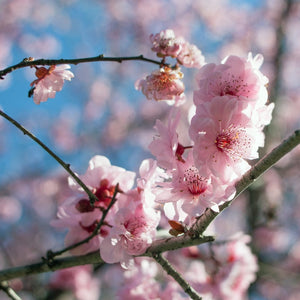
[100, 112]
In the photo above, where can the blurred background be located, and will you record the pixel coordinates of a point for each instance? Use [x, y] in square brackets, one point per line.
[100, 112]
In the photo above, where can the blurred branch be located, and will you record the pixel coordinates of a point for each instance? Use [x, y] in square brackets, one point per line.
[4, 286]
[29, 62]
[192, 237]
[176, 276]
[92, 197]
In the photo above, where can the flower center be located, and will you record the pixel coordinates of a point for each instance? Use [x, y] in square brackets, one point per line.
[104, 193]
[233, 141]
[196, 184]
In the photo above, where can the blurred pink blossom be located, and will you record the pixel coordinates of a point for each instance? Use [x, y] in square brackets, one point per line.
[228, 274]
[165, 43]
[79, 280]
[190, 55]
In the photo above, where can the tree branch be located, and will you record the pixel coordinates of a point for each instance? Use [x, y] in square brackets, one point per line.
[91, 196]
[172, 272]
[192, 237]
[51, 255]
[27, 62]
[4, 286]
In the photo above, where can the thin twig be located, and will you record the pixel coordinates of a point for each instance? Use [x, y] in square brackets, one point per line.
[91, 196]
[51, 255]
[49, 62]
[4, 286]
[172, 272]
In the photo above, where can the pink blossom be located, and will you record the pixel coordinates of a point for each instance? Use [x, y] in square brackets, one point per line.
[138, 282]
[165, 147]
[49, 82]
[190, 192]
[132, 233]
[190, 56]
[235, 76]
[80, 217]
[224, 137]
[165, 43]
[163, 84]
[101, 177]
[79, 280]
[228, 273]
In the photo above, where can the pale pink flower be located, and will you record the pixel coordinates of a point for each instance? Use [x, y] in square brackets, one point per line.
[190, 56]
[132, 232]
[224, 137]
[101, 177]
[165, 43]
[49, 82]
[138, 282]
[235, 76]
[165, 147]
[79, 280]
[163, 84]
[190, 192]
[80, 217]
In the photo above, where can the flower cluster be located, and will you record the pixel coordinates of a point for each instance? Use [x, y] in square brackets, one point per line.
[225, 132]
[130, 225]
[165, 83]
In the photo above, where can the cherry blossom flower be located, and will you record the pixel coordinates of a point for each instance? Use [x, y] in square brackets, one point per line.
[163, 84]
[132, 232]
[49, 82]
[224, 137]
[79, 216]
[166, 147]
[235, 76]
[190, 55]
[133, 227]
[190, 192]
[165, 43]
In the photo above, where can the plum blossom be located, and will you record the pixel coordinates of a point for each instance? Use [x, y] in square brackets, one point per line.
[163, 84]
[132, 232]
[165, 43]
[190, 192]
[224, 137]
[49, 81]
[134, 225]
[80, 216]
[166, 147]
[228, 273]
[190, 55]
[236, 77]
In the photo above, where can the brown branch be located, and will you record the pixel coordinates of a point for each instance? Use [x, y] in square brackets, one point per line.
[28, 62]
[91, 196]
[176, 276]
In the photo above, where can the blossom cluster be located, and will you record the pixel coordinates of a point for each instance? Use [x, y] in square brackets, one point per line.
[225, 132]
[130, 224]
[165, 83]
[222, 271]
